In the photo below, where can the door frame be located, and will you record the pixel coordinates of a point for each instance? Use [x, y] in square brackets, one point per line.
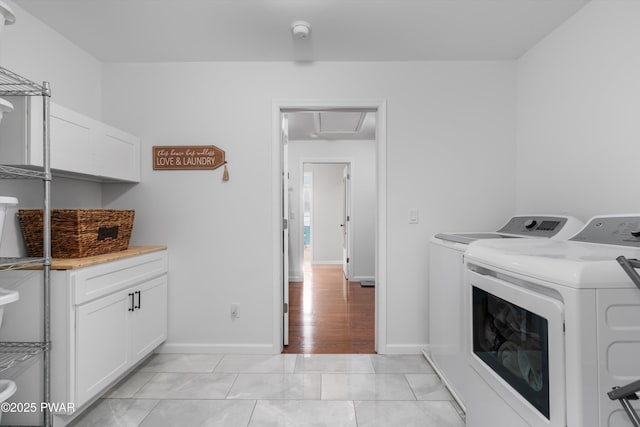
[284, 186]
[347, 213]
[380, 107]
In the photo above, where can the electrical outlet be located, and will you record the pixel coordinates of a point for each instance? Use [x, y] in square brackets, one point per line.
[235, 310]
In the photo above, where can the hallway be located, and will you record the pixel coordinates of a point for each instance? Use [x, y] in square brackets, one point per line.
[330, 315]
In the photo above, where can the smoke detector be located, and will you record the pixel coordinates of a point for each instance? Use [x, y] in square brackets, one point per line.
[300, 29]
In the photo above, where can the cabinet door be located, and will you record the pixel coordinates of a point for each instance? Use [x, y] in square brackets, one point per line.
[102, 337]
[149, 320]
[73, 147]
[119, 154]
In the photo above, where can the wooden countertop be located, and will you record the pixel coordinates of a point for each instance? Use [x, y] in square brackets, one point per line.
[73, 263]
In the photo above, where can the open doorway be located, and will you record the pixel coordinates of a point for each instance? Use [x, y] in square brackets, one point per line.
[330, 236]
[329, 310]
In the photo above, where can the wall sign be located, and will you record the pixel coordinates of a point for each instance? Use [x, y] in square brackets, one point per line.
[189, 157]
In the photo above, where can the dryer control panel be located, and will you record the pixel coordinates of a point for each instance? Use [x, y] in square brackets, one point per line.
[611, 230]
[538, 226]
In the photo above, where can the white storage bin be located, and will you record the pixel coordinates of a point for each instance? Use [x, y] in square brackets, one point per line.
[7, 389]
[5, 107]
[7, 17]
[6, 297]
[4, 203]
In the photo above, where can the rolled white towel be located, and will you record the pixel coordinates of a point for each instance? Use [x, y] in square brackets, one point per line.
[530, 363]
[508, 356]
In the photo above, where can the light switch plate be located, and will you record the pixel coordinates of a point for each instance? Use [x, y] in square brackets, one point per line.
[413, 216]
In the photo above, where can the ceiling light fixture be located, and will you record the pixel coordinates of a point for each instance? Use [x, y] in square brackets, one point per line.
[300, 29]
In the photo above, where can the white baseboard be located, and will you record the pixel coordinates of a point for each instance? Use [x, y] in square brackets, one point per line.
[402, 349]
[193, 348]
[362, 278]
[296, 278]
[189, 348]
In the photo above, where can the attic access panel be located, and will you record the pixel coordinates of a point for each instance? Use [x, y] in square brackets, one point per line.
[332, 125]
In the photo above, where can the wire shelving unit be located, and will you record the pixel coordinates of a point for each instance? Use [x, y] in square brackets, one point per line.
[15, 353]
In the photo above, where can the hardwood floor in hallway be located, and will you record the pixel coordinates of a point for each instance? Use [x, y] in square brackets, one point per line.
[329, 314]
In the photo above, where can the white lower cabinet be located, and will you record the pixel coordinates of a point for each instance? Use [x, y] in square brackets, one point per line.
[102, 344]
[149, 318]
[115, 332]
[105, 320]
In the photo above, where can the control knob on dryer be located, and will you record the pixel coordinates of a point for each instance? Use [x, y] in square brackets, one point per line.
[530, 223]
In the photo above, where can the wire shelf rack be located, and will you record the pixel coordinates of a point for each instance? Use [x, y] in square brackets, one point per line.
[15, 353]
[13, 84]
[12, 172]
[19, 263]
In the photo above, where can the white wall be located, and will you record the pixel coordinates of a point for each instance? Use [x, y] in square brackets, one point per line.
[578, 104]
[38, 53]
[450, 151]
[361, 155]
[328, 210]
[450, 154]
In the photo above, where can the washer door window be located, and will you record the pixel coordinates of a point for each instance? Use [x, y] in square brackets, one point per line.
[517, 344]
[514, 343]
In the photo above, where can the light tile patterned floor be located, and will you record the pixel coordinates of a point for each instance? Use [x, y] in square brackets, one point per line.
[189, 390]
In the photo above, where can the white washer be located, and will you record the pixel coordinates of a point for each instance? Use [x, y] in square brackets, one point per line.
[553, 326]
[447, 349]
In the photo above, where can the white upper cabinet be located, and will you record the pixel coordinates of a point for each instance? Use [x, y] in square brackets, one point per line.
[81, 147]
[119, 154]
[72, 141]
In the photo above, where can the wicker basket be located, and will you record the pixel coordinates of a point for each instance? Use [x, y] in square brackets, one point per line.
[78, 233]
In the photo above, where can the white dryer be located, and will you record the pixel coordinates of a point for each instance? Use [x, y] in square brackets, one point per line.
[447, 343]
[553, 326]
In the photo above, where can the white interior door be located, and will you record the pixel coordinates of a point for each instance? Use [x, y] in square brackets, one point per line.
[346, 221]
[285, 227]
